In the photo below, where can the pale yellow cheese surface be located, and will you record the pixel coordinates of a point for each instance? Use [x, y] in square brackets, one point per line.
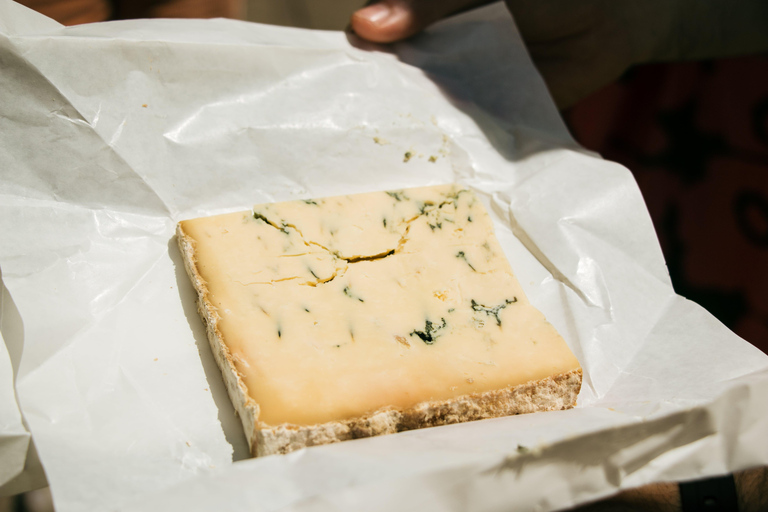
[333, 308]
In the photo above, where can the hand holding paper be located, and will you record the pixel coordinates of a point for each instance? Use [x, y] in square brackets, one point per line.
[579, 47]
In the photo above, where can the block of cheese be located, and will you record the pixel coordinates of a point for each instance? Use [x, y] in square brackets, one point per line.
[353, 316]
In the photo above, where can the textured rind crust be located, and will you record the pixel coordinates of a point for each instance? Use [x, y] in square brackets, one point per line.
[246, 407]
[550, 394]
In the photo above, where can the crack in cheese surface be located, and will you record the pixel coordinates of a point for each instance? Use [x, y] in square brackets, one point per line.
[334, 308]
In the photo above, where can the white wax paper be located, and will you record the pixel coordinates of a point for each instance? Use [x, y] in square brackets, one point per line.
[14, 438]
[111, 133]
[20, 469]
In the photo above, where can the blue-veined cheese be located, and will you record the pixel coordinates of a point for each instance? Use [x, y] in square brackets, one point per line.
[335, 308]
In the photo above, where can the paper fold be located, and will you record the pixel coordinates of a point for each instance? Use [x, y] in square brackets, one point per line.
[113, 132]
[14, 438]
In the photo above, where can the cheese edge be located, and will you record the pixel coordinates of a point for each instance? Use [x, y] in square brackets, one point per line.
[551, 393]
[245, 406]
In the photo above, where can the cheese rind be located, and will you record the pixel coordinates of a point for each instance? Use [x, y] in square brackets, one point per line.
[550, 394]
[339, 310]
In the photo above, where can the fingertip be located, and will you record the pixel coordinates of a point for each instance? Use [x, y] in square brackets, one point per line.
[377, 13]
[383, 23]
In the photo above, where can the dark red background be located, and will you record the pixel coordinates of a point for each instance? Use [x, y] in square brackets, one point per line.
[695, 136]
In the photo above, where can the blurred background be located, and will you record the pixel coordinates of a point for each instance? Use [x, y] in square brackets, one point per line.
[319, 14]
[695, 136]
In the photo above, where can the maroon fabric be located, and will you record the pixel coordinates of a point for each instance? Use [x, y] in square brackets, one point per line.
[130, 9]
[74, 12]
[695, 136]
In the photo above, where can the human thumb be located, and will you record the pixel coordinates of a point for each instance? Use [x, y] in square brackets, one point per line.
[387, 21]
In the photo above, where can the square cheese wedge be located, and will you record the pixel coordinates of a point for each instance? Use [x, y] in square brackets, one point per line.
[354, 316]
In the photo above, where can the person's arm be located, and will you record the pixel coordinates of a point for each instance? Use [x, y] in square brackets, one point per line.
[580, 46]
[717, 28]
[751, 495]
[752, 489]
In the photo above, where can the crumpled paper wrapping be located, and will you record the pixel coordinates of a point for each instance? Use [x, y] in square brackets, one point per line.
[20, 469]
[111, 133]
[14, 438]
